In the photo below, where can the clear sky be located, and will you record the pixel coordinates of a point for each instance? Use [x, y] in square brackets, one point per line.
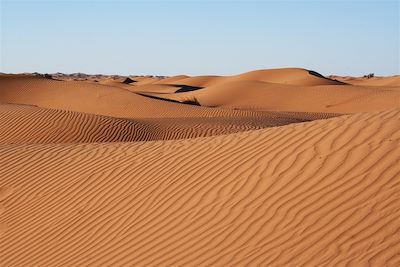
[199, 37]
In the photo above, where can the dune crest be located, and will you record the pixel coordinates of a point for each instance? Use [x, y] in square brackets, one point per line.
[263, 96]
[24, 124]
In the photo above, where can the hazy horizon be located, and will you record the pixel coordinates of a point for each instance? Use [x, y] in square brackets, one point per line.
[195, 38]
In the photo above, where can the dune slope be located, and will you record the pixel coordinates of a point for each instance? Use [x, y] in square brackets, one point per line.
[318, 193]
[96, 99]
[257, 95]
[24, 124]
[291, 76]
[391, 81]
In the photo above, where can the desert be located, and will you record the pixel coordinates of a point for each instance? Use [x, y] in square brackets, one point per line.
[199, 133]
[278, 167]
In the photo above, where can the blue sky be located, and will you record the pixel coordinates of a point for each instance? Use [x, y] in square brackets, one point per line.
[199, 37]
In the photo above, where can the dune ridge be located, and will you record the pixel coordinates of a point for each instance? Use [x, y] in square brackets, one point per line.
[291, 76]
[99, 99]
[262, 96]
[25, 124]
[392, 81]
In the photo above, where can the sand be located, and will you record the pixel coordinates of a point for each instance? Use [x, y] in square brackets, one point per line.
[271, 168]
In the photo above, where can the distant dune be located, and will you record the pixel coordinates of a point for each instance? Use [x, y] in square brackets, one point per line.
[295, 90]
[374, 81]
[280, 167]
[256, 95]
[294, 76]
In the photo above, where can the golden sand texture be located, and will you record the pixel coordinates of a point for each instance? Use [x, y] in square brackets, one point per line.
[95, 174]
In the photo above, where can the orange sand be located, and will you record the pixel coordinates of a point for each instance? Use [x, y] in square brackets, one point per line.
[268, 168]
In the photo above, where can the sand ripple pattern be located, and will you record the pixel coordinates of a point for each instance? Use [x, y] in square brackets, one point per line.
[320, 193]
[26, 124]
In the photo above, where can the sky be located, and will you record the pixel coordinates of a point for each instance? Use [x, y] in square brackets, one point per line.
[220, 37]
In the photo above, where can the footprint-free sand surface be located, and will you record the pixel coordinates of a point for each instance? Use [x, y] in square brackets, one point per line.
[280, 167]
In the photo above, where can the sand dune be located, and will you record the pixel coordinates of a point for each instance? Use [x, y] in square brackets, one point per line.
[317, 193]
[30, 124]
[171, 80]
[256, 95]
[155, 88]
[97, 99]
[24, 124]
[294, 90]
[100, 99]
[393, 81]
[201, 81]
[292, 76]
[279, 167]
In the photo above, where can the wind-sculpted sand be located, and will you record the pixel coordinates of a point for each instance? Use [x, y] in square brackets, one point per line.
[25, 124]
[93, 173]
